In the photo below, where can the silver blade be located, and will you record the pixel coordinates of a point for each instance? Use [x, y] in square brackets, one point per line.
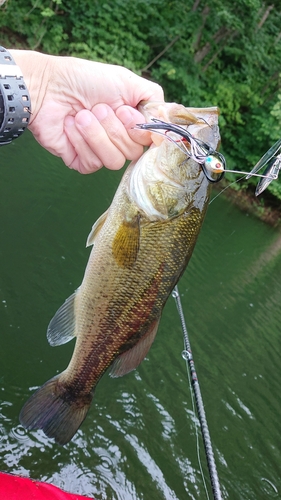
[265, 158]
[272, 171]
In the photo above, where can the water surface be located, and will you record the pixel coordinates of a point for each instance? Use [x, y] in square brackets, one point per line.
[138, 441]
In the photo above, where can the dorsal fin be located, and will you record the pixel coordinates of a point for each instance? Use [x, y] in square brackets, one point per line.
[61, 328]
[96, 229]
[130, 359]
[125, 246]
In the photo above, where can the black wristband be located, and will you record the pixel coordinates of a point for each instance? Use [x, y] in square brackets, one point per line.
[15, 107]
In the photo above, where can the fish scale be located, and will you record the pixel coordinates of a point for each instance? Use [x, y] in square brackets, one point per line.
[141, 247]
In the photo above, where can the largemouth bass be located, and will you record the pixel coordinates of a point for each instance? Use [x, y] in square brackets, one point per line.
[141, 247]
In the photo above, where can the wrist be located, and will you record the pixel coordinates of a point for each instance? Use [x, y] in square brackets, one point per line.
[14, 99]
[36, 69]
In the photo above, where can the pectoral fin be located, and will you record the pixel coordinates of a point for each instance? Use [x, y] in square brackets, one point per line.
[130, 359]
[125, 246]
[61, 328]
[96, 229]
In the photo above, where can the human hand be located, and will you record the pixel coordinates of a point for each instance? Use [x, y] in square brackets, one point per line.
[85, 111]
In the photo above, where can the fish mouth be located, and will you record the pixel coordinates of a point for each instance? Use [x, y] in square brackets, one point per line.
[178, 113]
[166, 112]
[212, 162]
[193, 130]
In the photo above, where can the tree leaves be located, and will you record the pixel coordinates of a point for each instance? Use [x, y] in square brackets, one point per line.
[203, 53]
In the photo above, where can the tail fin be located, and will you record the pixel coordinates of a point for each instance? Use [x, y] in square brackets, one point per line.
[56, 410]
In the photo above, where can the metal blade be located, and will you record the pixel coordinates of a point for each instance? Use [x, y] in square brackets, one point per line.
[265, 158]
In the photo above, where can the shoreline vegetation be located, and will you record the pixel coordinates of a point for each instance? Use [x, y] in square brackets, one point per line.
[265, 208]
[203, 53]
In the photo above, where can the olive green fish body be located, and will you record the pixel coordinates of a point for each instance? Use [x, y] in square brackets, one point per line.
[141, 247]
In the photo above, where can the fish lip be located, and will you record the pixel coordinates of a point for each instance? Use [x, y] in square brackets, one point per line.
[157, 124]
[197, 121]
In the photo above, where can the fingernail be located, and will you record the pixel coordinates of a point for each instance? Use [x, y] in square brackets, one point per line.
[83, 118]
[100, 111]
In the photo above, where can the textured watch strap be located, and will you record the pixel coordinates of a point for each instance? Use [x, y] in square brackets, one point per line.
[15, 105]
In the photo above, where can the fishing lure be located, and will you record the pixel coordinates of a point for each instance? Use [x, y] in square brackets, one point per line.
[272, 170]
[211, 161]
[214, 162]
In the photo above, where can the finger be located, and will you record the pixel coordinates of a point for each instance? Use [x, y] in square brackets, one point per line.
[107, 136]
[98, 141]
[79, 155]
[117, 132]
[130, 117]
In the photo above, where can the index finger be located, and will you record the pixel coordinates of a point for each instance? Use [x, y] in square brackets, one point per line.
[130, 117]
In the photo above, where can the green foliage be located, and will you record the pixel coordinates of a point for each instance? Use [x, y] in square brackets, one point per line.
[203, 53]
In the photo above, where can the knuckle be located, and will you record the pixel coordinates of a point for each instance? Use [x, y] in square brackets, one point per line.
[115, 162]
[85, 168]
[135, 152]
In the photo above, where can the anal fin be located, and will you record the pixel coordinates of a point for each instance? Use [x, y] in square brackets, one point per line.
[130, 359]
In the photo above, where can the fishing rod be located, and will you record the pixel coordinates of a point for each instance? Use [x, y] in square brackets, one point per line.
[187, 355]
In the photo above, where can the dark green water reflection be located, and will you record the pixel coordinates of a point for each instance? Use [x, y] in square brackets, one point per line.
[139, 439]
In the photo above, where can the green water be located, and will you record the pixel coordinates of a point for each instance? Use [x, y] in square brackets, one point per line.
[138, 441]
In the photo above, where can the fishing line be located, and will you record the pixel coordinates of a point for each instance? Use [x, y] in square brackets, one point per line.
[270, 177]
[187, 355]
[226, 187]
